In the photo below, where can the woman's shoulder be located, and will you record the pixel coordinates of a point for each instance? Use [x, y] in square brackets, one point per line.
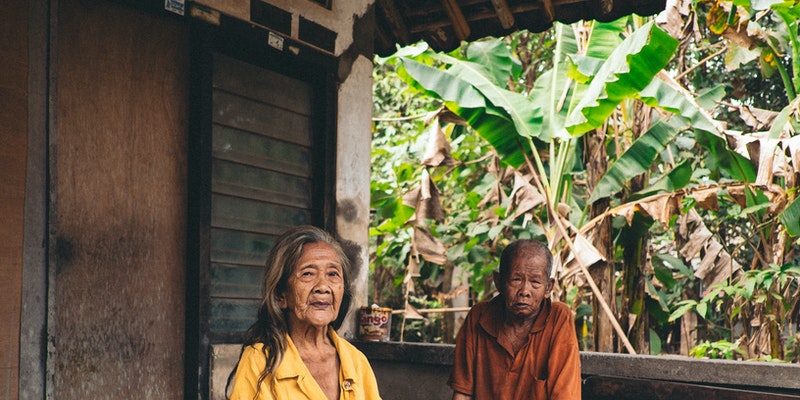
[255, 347]
[253, 354]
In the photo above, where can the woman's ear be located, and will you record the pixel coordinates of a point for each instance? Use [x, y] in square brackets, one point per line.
[282, 301]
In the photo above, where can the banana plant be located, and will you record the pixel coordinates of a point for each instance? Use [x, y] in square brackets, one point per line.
[587, 82]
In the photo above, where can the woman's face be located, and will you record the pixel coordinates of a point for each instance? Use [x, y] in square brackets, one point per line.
[315, 288]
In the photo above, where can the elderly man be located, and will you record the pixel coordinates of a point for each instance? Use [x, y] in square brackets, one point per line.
[520, 344]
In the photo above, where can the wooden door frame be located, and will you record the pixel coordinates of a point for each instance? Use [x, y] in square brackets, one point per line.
[242, 41]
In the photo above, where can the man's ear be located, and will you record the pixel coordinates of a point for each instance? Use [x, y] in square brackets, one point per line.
[549, 287]
[497, 281]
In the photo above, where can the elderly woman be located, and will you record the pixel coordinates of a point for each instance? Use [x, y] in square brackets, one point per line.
[292, 351]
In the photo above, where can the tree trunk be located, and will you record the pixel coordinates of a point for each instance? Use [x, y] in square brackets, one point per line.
[596, 161]
[448, 318]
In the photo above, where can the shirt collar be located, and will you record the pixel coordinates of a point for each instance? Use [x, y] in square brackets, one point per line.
[291, 366]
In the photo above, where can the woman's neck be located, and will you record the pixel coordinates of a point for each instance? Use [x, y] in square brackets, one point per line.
[310, 336]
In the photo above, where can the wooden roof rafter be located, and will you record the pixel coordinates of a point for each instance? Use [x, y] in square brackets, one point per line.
[444, 24]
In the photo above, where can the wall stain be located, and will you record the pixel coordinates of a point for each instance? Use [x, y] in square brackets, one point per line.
[347, 209]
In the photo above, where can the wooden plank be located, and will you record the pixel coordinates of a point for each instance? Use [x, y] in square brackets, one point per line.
[236, 247]
[13, 152]
[260, 151]
[34, 311]
[119, 222]
[245, 114]
[262, 85]
[258, 184]
[617, 388]
[233, 314]
[253, 216]
[236, 281]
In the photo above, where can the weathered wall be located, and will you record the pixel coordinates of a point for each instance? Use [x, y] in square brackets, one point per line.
[13, 138]
[340, 18]
[120, 202]
[353, 175]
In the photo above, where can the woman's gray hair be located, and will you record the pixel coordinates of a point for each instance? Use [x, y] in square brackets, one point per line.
[271, 326]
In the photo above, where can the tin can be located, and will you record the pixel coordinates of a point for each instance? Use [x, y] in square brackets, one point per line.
[374, 323]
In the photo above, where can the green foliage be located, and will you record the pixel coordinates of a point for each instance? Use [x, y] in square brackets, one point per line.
[721, 349]
[673, 115]
[628, 70]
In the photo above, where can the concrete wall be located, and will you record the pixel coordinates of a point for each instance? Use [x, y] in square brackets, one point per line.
[340, 18]
[420, 371]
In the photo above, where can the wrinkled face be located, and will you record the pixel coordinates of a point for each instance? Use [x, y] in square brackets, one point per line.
[315, 288]
[525, 287]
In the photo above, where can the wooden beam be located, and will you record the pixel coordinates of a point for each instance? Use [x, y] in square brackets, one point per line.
[395, 21]
[548, 10]
[457, 18]
[606, 6]
[503, 13]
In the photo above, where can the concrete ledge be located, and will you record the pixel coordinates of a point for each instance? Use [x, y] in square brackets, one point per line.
[752, 375]
[693, 370]
[421, 370]
[423, 353]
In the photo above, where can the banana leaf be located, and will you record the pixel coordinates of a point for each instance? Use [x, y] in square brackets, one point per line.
[628, 70]
[638, 158]
[722, 161]
[498, 115]
[496, 56]
[674, 180]
[790, 218]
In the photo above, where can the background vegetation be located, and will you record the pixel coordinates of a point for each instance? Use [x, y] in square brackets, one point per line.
[657, 157]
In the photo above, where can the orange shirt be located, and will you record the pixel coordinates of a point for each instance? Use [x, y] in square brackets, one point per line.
[547, 367]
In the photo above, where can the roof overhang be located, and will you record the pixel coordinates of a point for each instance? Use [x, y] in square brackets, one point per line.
[444, 24]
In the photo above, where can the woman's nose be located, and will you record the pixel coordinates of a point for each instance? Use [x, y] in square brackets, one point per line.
[322, 287]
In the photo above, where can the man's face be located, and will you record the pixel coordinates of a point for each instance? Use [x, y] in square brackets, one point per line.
[525, 287]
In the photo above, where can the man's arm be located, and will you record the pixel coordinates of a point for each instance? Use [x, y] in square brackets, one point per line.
[564, 377]
[460, 396]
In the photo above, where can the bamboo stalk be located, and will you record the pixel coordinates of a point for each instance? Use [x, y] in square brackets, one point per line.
[559, 224]
[436, 310]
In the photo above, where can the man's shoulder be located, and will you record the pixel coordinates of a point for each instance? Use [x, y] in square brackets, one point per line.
[489, 305]
[560, 307]
[560, 311]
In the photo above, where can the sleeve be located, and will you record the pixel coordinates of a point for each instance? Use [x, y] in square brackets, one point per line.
[462, 378]
[248, 370]
[564, 365]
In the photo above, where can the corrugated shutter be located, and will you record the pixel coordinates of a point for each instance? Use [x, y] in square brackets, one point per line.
[261, 181]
